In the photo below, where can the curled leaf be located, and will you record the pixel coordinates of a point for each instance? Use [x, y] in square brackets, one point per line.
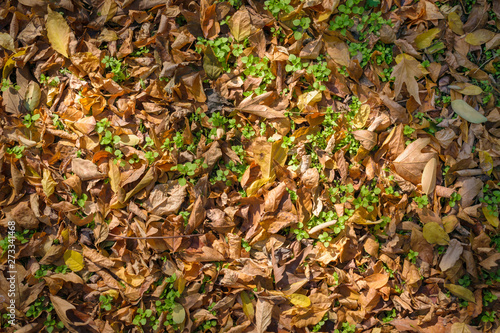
[48, 183]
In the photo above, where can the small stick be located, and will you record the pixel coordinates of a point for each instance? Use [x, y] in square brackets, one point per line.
[157, 237]
[322, 226]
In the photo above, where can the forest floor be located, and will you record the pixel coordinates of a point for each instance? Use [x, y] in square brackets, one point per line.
[250, 166]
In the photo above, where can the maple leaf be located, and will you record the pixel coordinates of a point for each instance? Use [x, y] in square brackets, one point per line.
[405, 72]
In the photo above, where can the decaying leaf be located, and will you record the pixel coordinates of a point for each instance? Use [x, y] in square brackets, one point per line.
[435, 234]
[461, 292]
[405, 72]
[467, 112]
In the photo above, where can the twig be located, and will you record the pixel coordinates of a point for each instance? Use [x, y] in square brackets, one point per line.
[157, 237]
[322, 226]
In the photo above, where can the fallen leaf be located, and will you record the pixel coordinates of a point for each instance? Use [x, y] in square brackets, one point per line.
[247, 305]
[178, 314]
[435, 234]
[240, 25]
[299, 300]
[461, 292]
[429, 176]
[74, 260]
[58, 32]
[48, 183]
[425, 39]
[452, 255]
[467, 112]
[7, 42]
[479, 37]
[263, 315]
[405, 72]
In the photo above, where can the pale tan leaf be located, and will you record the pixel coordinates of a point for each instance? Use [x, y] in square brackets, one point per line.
[32, 96]
[429, 176]
[460, 328]
[452, 255]
[405, 72]
[411, 163]
[7, 42]
[263, 315]
[240, 25]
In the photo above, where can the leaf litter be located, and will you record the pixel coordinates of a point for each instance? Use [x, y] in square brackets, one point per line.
[251, 166]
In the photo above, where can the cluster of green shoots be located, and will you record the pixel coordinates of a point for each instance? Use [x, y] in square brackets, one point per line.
[491, 197]
[368, 22]
[259, 68]
[40, 305]
[166, 304]
[118, 68]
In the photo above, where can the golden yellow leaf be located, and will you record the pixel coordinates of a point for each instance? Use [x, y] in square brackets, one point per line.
[58, 32]
[479, 37]
[299, 300]
[48, 183]
[10, 63]
[247, 305]
[180, 283]
[435, 234]
[425, 39]
[252, 189]
[112, 292]
[74, 260]
[461, 292]
[133, 280]
[361, 116]
[309, 98]
[492, 219]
